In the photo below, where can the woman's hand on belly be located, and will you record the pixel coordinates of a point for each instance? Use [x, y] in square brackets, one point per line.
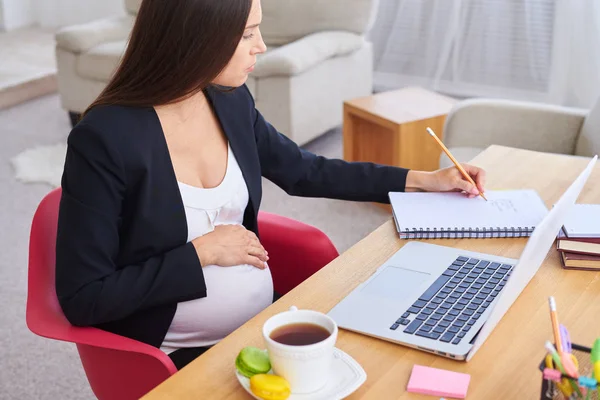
[230, 245]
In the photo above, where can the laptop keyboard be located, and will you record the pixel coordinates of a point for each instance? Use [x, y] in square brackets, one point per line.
[448, 309]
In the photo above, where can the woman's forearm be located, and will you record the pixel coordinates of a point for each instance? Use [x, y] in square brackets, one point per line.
[418, 181]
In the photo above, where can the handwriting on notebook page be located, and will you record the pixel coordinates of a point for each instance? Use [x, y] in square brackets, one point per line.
[503, 205]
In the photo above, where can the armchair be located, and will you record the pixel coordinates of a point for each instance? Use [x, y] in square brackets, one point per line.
[473, 125]
[317, 58]
[87, 55]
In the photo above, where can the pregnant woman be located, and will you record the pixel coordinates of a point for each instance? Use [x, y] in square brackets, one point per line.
[157, 232]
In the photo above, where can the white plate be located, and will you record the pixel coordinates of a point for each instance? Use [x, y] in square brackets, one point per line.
[346, 377]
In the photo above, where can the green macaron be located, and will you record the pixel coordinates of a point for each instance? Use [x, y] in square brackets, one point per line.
[252, 361]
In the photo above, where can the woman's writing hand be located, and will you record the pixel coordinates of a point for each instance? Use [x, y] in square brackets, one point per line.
[447, 180]
[230, 245]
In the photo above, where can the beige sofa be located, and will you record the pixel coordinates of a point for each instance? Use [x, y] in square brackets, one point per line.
[317, 58]
[473, 125]
[87, 55]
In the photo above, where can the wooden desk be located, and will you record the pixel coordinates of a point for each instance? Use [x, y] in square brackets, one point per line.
[389, 128]
[506, 365]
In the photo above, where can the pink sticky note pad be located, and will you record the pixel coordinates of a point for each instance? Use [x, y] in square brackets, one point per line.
[438, 382]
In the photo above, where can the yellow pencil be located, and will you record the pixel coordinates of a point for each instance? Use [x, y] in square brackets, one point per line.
[555, 326]
[460, 168]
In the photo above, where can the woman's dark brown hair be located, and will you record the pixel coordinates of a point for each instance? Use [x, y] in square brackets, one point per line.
[176, 48]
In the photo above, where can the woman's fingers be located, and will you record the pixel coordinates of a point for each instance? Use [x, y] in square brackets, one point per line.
[465, 186]
[255, 242]
[478, 175]
[254, 261]
[235, 245]
[258, 252]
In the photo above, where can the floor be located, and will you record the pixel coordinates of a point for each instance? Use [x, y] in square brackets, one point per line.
[27, 65]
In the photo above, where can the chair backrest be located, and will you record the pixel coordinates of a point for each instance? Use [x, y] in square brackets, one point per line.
[285, 21]
[44, 315]
[132, 6]
[296, 250]
[116, 367]
[588, 141]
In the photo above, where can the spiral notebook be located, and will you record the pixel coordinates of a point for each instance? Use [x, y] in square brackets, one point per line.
[507, 213]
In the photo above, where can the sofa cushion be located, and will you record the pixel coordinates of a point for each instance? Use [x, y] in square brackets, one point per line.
[83, 37]
[101, 61]
[301, 55]
[133, 6]
[287, 20]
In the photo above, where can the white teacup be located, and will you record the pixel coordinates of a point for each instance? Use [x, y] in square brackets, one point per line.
[307, 367]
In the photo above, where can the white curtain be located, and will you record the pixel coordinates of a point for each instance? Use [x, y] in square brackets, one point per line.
[58, 13]
[575, 77]
[540, 50]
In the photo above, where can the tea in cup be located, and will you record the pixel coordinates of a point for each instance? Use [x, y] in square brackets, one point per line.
[300, 345]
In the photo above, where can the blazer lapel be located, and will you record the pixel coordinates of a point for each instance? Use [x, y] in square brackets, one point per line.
[239, 132]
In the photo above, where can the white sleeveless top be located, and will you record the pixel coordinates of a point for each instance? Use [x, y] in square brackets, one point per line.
[233, 294]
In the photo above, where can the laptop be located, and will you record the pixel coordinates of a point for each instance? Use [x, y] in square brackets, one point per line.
[444, 300]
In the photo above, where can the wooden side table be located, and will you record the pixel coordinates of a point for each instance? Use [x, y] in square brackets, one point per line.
[389, 128]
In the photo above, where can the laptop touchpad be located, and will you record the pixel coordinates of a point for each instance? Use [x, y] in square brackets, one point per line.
[396, 283]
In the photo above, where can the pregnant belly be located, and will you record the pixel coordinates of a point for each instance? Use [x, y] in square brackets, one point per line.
[234, 295]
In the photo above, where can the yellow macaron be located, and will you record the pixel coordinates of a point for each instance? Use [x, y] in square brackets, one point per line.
[270, 387]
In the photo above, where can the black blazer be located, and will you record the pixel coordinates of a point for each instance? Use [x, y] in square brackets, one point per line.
[122, 261]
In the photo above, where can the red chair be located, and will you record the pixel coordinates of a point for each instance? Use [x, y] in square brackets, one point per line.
[121, 368]
[296, 250]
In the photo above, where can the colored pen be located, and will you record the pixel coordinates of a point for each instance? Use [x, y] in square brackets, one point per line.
[569, 365]
[565, 356]
[566, 339]
[587, 382]
[596, 358]
[562, 384]
[555, 356]
[555, 328]
[552, 374]
[556, 359]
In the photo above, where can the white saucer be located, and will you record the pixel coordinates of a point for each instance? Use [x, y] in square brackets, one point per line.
[346, 377]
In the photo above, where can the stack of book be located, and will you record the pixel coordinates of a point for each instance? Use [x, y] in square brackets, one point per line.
[579, 240]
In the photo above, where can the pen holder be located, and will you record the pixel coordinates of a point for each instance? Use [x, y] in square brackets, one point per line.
[550, 391]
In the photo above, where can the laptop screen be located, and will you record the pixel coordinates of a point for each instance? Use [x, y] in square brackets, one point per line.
[533, 255]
